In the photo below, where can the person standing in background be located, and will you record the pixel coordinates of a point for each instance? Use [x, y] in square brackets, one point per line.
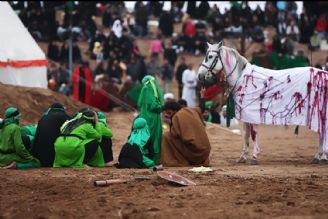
[150, 104]
[178, 75]
[166, 75]
[189, 80]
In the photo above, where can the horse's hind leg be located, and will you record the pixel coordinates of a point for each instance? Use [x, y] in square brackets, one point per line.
[317, 156]
[246, 134]
[256, 148]
[323, 143]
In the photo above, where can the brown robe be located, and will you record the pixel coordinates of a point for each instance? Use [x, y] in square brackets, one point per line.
[187, 143]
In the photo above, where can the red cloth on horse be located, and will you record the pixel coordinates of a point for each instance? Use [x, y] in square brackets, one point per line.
[210, 92]
[82, 84]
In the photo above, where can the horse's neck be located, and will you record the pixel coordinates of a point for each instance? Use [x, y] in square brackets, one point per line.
[233, 64]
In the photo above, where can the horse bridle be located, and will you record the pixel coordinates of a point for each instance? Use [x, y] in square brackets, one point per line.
[213, 64]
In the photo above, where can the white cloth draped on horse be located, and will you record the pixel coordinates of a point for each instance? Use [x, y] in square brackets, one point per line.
[295, 96]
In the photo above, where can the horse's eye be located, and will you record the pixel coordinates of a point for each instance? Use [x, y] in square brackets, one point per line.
[210, 57]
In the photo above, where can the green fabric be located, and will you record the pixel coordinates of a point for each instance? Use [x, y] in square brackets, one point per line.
[150, 103]
[134, 93]
[140, 136]
[11, 140]
[282, 62]
[209, 104]
[9, 118]
[230, 108]
[28, 165]
[9, 111]
[256, 61]
[140, 133]
[29, 131]
[209, 118]
[104, 130]
[102, 118]
[70, 150]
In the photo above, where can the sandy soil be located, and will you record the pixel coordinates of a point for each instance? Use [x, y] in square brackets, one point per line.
[283, 185]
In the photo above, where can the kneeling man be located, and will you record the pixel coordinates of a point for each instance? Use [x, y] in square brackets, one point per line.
[186, 144]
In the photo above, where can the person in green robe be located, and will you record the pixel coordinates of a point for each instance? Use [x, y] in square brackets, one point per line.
[78, 143]
[13, 153]
[28, 135]
[138, 151]
[106, 139]
[150, 104]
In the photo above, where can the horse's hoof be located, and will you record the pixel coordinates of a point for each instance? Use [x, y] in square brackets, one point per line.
[315, 161]
[323, 161]
[253, 162]
[242, 160]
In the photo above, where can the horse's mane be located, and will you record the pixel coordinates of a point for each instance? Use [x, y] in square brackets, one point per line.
[241, 59]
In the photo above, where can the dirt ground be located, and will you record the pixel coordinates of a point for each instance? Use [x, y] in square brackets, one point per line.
[283, 185]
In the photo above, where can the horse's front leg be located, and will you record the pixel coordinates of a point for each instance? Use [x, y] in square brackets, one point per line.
[246, 134]
[317, 156]
[256, 147]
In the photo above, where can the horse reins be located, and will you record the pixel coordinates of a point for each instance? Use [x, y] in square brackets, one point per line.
[213, 64]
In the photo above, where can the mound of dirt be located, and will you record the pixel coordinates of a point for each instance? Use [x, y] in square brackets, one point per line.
[32, 102]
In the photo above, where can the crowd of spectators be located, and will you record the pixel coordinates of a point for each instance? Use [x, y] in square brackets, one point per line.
[112, 42]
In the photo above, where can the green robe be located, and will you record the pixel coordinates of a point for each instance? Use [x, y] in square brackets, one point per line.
[104, 130]
[140, 136]
[151, 104]
[29, 131]
[13, 149]
[70, 150]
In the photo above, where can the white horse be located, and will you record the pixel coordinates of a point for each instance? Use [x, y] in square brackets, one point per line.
[295, 96]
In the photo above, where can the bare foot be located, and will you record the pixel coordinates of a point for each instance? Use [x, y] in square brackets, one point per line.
[109, 164]
[10, 166]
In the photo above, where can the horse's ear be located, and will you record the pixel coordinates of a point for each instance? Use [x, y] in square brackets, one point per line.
[208, 44]
[220, 44]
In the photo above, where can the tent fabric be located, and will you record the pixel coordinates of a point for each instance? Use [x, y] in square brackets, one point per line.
[22, 62]
[29, 77]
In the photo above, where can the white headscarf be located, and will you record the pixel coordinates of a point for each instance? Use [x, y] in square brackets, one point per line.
[117, 28]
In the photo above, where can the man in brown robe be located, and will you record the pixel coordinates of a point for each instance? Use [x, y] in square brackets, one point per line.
[186, 144]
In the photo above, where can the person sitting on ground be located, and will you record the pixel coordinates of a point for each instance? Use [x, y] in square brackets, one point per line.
[210, 114]
[138, 152]
[28, 135]
[78, 143]
[106, 139]
[186, 144]
[13, 152]
[48, 130]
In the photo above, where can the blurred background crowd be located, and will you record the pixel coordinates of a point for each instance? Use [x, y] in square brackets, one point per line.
[120, 44]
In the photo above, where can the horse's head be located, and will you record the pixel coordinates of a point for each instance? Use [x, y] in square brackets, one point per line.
[221, 65]
[211, 65]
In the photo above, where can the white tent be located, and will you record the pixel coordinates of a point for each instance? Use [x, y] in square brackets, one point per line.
[22, 62]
